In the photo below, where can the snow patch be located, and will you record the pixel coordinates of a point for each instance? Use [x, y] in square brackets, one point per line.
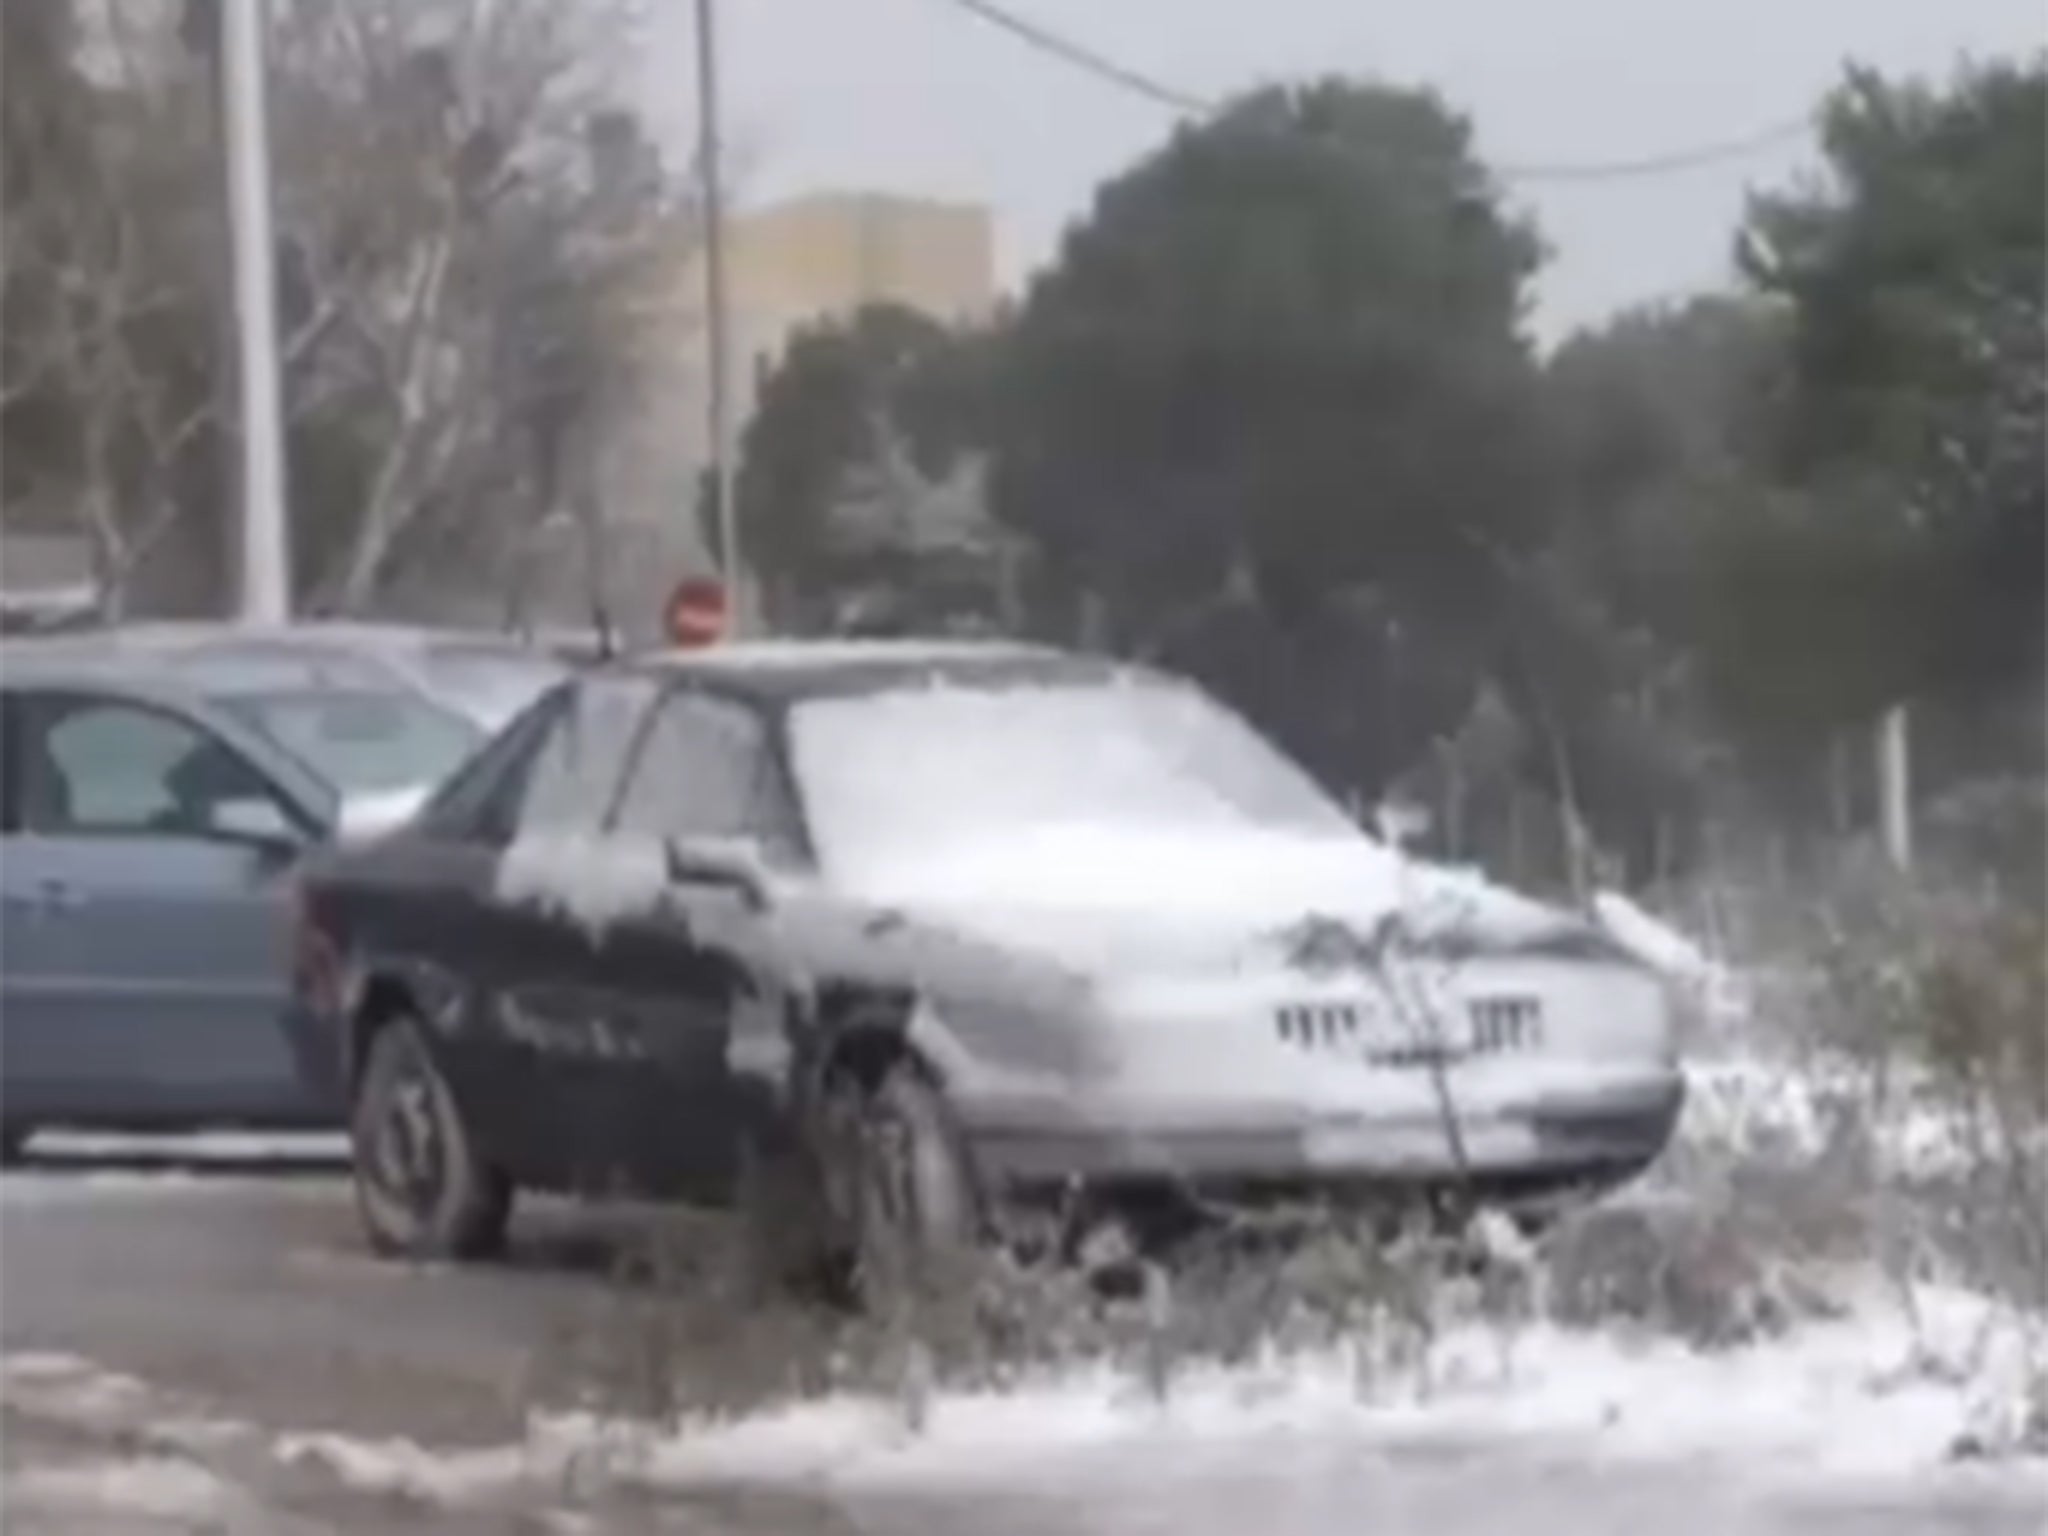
[1755, 1105]
[893, 774]
[159, 1488]
[196, 1147]
[69, 1389]
[594, 881]
[1867, 1396]
[409, 1470]
[1864, 1396]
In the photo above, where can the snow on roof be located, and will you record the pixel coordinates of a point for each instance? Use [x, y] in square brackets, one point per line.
[796, 654]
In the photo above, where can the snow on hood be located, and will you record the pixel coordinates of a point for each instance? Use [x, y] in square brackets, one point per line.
[1113, 898]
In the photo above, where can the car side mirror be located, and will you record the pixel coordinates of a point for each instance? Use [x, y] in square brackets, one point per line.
[732, 864]
[257, 820]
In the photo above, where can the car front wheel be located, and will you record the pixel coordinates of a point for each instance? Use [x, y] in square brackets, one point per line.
[422, 1189]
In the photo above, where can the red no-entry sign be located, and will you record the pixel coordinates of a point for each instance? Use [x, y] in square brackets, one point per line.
[698, 612]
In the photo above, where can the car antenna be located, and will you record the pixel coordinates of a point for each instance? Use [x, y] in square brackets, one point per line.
[607, 645]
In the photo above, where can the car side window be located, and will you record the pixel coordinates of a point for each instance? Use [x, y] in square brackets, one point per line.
[575, 776]
[97, 765]
[478, 802]
[708, 769]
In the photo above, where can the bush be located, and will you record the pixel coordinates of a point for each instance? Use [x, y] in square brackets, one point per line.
[1935, 995]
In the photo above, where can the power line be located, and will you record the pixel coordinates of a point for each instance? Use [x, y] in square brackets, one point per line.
[1138, 83]
[1768, 137]
[1085, 58]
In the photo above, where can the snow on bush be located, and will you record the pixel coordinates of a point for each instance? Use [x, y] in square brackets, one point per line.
[1847, 1230]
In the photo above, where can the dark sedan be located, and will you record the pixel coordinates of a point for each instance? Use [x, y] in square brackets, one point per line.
[916, 932]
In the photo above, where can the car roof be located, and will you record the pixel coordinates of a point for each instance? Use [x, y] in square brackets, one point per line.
[785, 671]
[348, 634]
[54, 662]
[170, 669]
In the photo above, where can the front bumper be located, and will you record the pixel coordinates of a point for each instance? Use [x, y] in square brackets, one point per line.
[1551, 1134]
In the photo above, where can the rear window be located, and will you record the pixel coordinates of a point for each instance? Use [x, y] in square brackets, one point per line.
[362, 741]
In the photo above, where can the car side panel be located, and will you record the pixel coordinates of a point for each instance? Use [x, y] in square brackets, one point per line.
[145, 978]
[666, 1098]
[419, 928]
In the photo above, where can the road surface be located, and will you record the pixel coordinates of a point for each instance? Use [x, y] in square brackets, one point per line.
[211, 1350]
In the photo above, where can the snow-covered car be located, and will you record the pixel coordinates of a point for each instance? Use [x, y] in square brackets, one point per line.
[940, 932]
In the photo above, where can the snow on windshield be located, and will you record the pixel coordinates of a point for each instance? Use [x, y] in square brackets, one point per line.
[885, 776]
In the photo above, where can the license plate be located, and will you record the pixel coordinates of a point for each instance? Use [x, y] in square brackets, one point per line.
[1399, 1145]
[1418, 1145]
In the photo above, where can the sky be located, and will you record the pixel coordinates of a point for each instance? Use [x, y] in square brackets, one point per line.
[920, 97]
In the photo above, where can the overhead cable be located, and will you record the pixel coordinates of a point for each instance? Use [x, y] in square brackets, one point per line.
[1078, 55]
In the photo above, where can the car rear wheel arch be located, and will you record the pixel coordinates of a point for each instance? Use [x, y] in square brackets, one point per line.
[385, 1000]
[862, 1032]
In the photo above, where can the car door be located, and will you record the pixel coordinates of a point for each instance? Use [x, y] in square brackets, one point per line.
[705, 770]
[146, 951]
[511, 872]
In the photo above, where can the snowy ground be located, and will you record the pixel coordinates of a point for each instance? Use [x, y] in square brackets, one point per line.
[1586, 1435]
[206, 1349]
[240, 1150]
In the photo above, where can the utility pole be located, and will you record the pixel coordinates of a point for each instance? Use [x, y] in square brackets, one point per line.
[266, 536]
[716, 315]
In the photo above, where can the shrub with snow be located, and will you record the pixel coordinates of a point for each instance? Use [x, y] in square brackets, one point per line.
[1869, 1135]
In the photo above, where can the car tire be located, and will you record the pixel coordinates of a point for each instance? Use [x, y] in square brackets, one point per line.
[422, 1189]
[914, 1212]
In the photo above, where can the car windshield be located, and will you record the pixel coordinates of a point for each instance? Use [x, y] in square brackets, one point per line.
[886, 775]
[490, 685]
[362, 741]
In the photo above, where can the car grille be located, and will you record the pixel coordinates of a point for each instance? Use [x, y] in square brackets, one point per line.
[1498, 1025]
[1334, 1024]
[1506, 1024]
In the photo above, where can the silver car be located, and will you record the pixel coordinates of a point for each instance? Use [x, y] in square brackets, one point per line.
[485, 678]
[150, 834]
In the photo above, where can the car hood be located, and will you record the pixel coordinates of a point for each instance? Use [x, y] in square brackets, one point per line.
[1107, 903]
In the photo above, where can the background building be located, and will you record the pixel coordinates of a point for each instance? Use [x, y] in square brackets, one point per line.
[826, 256]
[789, 264]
